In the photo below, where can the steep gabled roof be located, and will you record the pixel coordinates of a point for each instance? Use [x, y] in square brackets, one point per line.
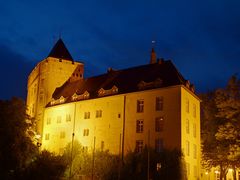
[60, 51]
[150, 76]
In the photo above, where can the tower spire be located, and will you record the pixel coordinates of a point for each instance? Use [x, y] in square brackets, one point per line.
[60, 51]
[153, 58]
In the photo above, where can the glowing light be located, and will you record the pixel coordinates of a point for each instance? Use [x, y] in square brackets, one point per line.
[206, 173]
[216, 172]
[38, 136]
[230, 170]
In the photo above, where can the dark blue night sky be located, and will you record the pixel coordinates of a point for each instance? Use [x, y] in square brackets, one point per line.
[202, 38]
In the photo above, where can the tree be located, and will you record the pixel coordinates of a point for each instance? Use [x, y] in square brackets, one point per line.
[17, 149]
[161, 165]
[221, 127]
[108, 166]
[45, 166]
[80, 160]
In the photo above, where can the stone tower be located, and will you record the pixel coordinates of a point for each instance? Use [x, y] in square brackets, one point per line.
[50, 73]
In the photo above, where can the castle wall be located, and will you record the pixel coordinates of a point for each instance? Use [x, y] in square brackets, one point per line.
[190, 133]
[43, 80]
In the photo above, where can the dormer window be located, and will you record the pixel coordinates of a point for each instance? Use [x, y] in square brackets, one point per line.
[148, 85]
[58, 101]
[103, 92]
[76, 97]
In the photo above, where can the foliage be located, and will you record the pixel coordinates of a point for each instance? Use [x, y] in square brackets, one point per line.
[19, 157]
[17, 150]
[108, 166]
[45, 166]
[168, 161]
[105, 164]
[221, 127]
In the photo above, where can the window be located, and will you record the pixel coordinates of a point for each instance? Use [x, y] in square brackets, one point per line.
[187, 148]
[188, 168]
[98, 113]
[47, 136]
[159, 104]
[140, 105]
[119, 115]
[62, 135]
[139, 126]
[102, 145]
[85, 132]
[87, 115]
[68, 117]
[59, 119]
[41, 98]
[187, 126]
[158, 145]
[159, 123]
[194, 130]
[187, 105]
[61, 151]
[49, 120]
[85, 149]
[194, 110]
[195, 171]
[33, 108]
[194, 151]
[139, 146]
[42, 82]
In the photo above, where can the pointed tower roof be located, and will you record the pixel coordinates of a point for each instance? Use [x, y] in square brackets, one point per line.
[60, 51]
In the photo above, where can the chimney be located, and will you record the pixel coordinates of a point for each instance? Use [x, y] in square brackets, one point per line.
[153, 58]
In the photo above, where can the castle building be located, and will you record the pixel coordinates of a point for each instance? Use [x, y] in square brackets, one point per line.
[120, 110]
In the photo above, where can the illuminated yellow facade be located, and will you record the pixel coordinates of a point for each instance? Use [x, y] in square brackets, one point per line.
[48, 74]
[122, 110]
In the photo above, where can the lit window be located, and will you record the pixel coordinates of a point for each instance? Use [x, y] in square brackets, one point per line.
[140, 105]
[87, 115]
[194, 130]
[158, 145]
[59, 119]
[48, 120]
[139, 126]
[159, 103]
[68, 117]
[187, 148]
[47, 136]
[187, 126]
[139, 146]
[194, 151]
[187, 105]
[85, 132]
[62, 135]
[159, 123]
[102, 145]
[194, 110]
[98, 113]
